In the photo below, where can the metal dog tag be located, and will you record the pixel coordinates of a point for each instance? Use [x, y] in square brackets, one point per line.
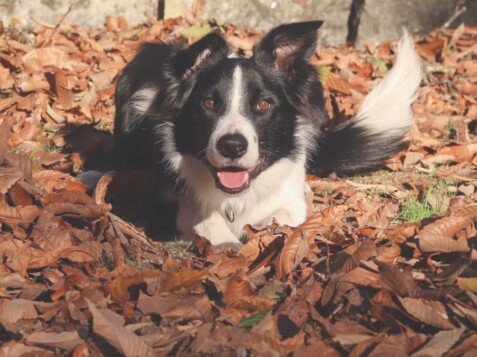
[229, 213]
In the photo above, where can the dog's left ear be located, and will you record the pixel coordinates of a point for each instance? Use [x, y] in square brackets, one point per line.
[290, 44]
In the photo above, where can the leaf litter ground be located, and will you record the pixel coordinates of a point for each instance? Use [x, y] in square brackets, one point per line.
[385, 264]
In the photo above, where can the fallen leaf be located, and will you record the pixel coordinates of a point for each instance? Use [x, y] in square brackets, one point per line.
[4, 134]
[439, 235]
[440, 343]
[66, 340]
[109, 326]
[430, 312]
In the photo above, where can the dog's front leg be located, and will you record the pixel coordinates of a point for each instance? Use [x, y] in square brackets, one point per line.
[292, 214]
[215, 229]
[213, 226]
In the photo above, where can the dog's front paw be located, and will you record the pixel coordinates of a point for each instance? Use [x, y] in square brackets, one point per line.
[219, 237]
[235, 247]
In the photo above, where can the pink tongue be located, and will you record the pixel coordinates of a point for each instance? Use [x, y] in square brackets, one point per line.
[233, 180]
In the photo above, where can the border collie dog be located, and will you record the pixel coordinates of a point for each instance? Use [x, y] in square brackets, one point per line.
[232, 138]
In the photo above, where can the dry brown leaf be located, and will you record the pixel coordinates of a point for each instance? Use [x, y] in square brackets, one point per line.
[20, 196]
[7, 103]
[13, 348]
[4, 134]
[15, 215]
[66, 340]
[459, 153]
[17, 309]
[183, 279]
[120, 287]
[396, 281]
[295, 249]
[467, 345]
[59, 87]
[361, 276]
[176, 307]
[11, 280]
[431, 49]
[9, 176]
[90, 212]
[430, 312]
[339, 85]
[236, 288]
[439, 236]
[109, 326]
[439, 344]
[297, 245]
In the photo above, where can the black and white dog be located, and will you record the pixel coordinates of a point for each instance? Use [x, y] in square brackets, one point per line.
[233, 137]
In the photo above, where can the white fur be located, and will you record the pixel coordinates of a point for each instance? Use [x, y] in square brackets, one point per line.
[305, 135]
[387, 108]
[171, 157]
[142, 99]
[234, 122]
[278, 192]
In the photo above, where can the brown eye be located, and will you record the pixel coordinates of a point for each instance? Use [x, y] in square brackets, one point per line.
[263, 105]
[208, 103]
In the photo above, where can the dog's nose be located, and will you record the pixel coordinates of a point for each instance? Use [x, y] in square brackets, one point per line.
[232, 146]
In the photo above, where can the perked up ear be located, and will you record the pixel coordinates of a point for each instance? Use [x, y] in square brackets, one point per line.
[189, 59]
[289, 44]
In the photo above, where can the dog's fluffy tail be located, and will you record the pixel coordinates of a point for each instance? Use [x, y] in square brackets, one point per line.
[377, 131]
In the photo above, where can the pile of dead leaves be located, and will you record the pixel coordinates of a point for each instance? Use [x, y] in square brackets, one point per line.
[386, 263]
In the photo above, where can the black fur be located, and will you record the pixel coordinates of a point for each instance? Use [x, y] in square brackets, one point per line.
[349, 149]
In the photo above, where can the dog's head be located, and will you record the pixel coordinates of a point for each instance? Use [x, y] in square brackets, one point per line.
[241, 115]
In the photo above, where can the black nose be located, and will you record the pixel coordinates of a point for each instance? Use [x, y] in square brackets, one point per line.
[232, 146]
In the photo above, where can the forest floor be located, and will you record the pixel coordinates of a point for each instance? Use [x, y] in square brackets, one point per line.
[385, 265]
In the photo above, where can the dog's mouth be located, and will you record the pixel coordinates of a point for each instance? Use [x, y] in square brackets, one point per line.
[232, 179]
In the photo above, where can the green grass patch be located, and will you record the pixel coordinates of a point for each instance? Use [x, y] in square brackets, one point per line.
[199, 30]
[435, 201]
[451, 129]
[253, 319]
[415, 211]
[51, 148]
[378, 65]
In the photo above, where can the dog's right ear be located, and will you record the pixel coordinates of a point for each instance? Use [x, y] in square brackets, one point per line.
[189, 59]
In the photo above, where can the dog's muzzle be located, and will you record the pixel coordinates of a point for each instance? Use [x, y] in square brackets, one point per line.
[230, 163]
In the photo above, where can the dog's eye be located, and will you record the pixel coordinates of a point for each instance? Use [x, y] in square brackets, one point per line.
[209, 103]
[263, 105]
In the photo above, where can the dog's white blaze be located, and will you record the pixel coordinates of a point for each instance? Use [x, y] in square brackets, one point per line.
[142, 99]
[387, 108]
[234, 122]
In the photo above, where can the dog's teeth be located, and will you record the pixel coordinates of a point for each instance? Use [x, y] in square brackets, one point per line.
[229, 213]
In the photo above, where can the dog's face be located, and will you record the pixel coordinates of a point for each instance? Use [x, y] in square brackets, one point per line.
[242, 115]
